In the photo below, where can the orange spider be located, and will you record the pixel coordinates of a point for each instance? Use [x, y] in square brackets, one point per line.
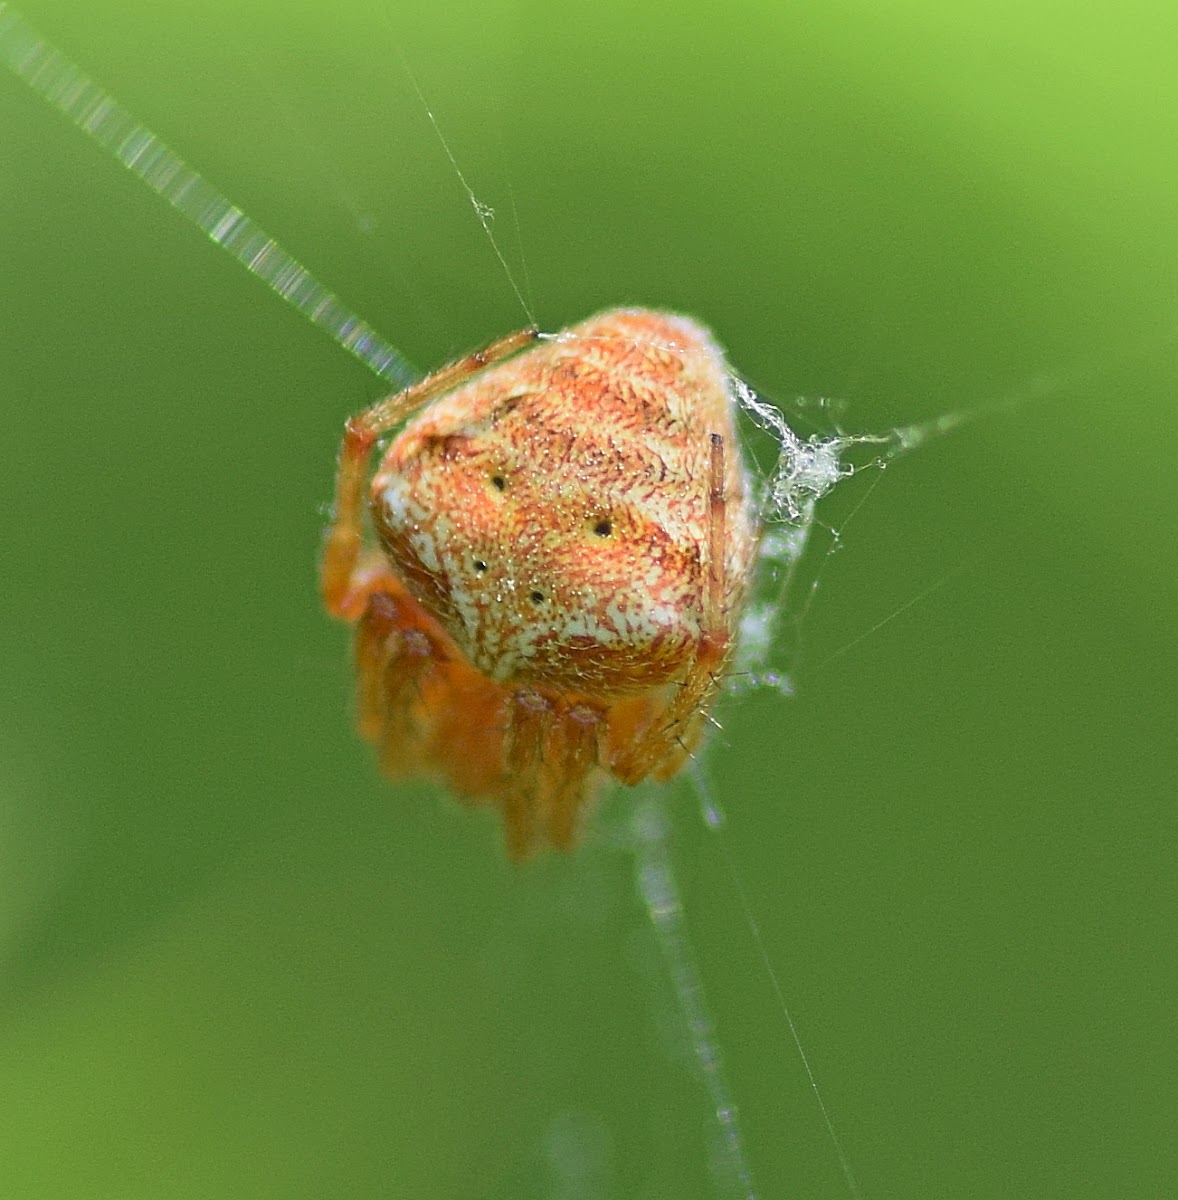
[565, 538]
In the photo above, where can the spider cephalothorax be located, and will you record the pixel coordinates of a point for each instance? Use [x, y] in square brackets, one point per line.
[565, 535]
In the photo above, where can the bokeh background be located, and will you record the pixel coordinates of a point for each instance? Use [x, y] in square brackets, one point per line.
[235, 963]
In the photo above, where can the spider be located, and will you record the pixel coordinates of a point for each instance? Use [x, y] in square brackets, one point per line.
[564, 533]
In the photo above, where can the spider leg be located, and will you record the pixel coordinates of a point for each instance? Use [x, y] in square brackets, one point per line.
[396, 661]
[674, 729]
[522, 796]
[377, 628]
[574, 755]
[552, 761]
[342, 550]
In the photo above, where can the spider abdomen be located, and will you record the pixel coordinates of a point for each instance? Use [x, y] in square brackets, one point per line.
[550, 513]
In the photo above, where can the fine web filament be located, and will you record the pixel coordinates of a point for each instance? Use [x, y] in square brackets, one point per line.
[96, 113]
[713, 817]
[484, 212]
[660, 894]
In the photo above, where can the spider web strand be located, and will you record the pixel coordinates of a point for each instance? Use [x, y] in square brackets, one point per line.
[96, 113]
[660, 894]
[714, 819]
[484, 212]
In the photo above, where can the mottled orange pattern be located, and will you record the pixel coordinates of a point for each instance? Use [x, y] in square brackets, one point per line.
[565, 537]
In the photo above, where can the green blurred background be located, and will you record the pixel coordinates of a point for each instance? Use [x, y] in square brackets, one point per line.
[235, 963]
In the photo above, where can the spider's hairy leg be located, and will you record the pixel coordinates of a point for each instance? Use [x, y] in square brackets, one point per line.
[375, 630]
[674, 730]
[573, 755]
[552, 770]
[410, 660]
[530, 716]
[396, 660]
[342, 550]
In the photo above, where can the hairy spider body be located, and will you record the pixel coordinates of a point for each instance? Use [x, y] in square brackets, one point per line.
[565, 536]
